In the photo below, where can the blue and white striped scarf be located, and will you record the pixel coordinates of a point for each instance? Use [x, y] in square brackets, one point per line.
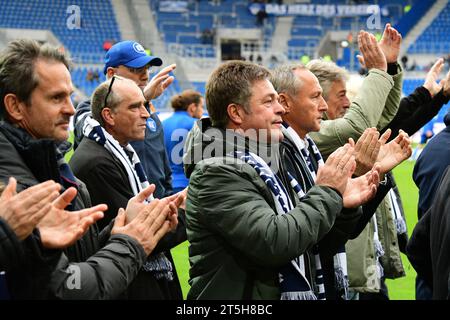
[157, 264]
[340, 258]
[293, 282]
[136, 175]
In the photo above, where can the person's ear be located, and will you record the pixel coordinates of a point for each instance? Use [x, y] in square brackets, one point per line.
[14, 107]
[285, 101]
[110, 72]
[235, 113]
[107, 116]
[191, 109]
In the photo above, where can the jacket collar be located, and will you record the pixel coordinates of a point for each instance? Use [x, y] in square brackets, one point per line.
[39, 155]
[205, 141]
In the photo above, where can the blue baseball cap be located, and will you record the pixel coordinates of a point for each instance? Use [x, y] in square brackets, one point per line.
[130, 54]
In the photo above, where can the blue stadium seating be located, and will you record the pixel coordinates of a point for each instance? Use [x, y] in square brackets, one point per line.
[185, 28]
[80, 79]
[435, 39]
[98, 23]
[307, 31]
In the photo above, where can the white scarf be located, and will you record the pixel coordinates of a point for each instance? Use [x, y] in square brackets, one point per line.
[136, 175]
[158, 264]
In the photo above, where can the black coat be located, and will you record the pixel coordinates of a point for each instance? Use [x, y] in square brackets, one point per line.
[107, 182]
[430, 166]
[151, 151]
[428, 249]
[27, 262]
[105, 264]
[415, 111]
[11, 250]
[27, 254]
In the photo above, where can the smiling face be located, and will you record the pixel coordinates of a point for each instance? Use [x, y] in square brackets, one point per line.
[337, 100]
[126, 122]
[50, 108]
[304, 111]
[265, 112]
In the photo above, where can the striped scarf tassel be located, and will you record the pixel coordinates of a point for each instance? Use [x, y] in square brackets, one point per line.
[340, 273]
[379, 252]
[319, 275]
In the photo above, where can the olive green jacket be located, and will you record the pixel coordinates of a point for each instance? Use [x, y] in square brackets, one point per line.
[238, 242]
[375, 105]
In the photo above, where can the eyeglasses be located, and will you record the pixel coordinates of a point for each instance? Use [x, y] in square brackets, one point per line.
[109, 90]
[144, 69]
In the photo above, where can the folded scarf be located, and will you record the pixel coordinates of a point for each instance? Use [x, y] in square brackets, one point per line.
[293, 282]
[339, 259]
[158, 264]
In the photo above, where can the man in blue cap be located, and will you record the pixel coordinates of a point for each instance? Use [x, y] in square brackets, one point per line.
[128, 59]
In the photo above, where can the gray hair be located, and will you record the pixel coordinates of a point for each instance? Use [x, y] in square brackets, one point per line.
[98, 99]
[327, 73]
[17, 64]
[284, 80]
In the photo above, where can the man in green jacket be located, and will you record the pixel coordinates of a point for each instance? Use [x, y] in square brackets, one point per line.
[246, 227]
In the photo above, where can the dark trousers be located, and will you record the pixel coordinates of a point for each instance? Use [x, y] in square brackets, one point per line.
[423, 291]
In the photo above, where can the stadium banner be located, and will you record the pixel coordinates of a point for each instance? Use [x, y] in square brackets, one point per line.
[173, 6]
[323, 10]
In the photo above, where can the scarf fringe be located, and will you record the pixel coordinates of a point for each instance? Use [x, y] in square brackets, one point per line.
[380, 271]
[379, 251]
[298, 295]
[400, 225]
[341, 283]
[160, 266]
[341, 279]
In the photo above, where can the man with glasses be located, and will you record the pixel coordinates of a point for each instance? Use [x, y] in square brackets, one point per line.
[113, 174]
[128, 59]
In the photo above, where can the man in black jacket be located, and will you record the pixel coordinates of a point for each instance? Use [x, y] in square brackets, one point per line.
[39, 206]
[35, 107]
[428, 247]
[414, 112]
[113, 173]
[128, 59]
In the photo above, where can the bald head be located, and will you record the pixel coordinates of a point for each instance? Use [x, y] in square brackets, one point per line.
[118, 105]
[109, 94]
